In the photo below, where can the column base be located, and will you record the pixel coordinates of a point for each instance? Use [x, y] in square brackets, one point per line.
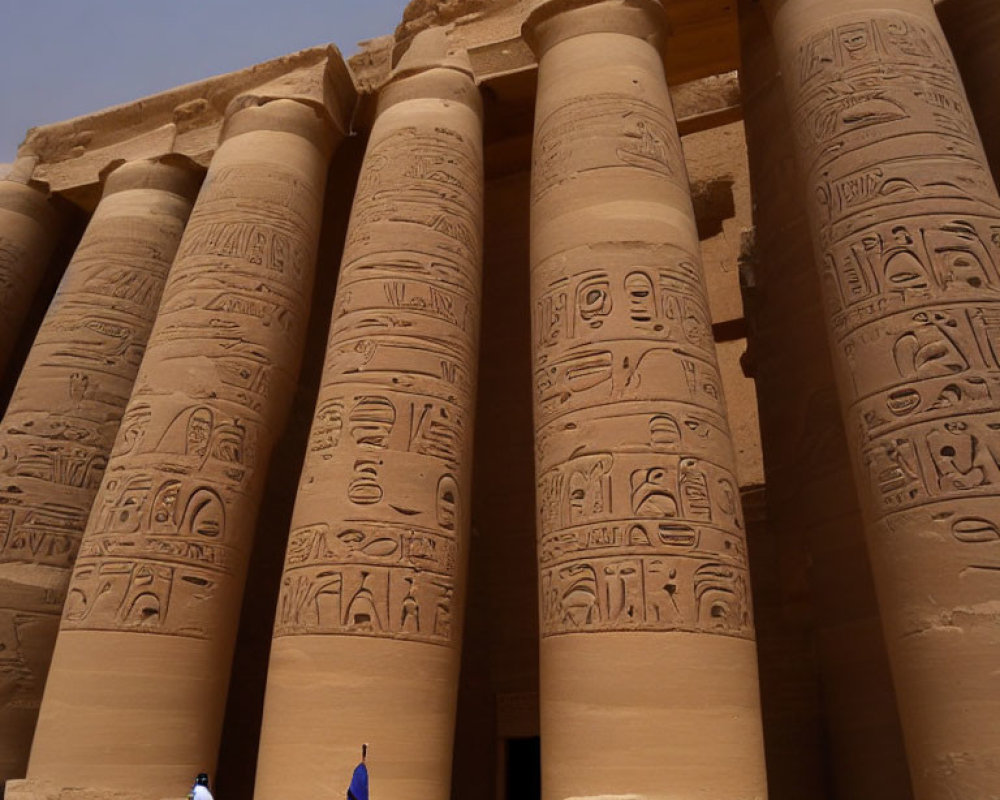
[40, 790]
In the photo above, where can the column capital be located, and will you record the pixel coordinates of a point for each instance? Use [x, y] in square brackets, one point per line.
[283, 115]
[325, 92]
[170, 173]
[428, 69]
[553, 21]
[30, 199]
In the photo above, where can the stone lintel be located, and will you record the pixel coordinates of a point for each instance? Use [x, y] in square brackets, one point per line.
[326, 86]
[186, 120]
[702, 49]
[645, 19]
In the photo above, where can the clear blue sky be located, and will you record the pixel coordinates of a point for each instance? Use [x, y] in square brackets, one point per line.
[63, 58]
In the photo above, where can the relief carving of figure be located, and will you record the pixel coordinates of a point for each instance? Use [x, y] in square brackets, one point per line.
[931, 348]
[962, 461]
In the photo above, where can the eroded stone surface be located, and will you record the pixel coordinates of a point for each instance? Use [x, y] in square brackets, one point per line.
[642, 554]
[370, 611]
[186, 120]
[420, 15]
[57, 434]
[905, 217]
[141, 666]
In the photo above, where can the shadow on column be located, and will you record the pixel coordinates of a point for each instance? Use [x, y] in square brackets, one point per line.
[74, 223]
[500, 658]
[811, 498]
[244, 708]
[973, 31]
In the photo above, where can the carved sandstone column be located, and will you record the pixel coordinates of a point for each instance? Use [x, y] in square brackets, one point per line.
[368, 629]
[906, 226]
[812, 502]
[59, 428]
[973, 31]
[137, 688]
[648, 664]
[29, 233]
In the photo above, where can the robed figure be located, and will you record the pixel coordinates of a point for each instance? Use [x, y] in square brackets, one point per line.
[358, 790]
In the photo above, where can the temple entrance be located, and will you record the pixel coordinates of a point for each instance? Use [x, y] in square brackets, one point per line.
[523, 769]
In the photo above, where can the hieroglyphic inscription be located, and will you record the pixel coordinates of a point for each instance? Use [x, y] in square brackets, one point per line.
[58, 431]
[57, 434]
[383, 507]
[166, 547]
[907, 224]
[601, 130]
[640, 526]
[11, 254]
[638, 504]
[28, 236]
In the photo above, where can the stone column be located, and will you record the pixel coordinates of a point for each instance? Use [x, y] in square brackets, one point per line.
[812, 502]
[136, 693]
[906, 227]
[29, 233]
[973, 31]
[648, 663]
[367, 636]
[58, 431]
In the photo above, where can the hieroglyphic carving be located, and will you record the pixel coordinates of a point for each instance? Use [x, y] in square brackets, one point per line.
[908, 225]
[640, 525]
[383, 506]
[813, 517]
[28, 236]
[57, 434]
[167, 544]
[600, 130]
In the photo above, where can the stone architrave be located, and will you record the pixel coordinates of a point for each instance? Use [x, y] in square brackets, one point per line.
[648, 661]
[137, 688]
[57, 433]
[29, 233]
[906, 226]
[973, 31]
[367, 638]
[812, 503]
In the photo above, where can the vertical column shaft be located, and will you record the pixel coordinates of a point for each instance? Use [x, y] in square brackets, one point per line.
[369, 618]
[29, 233]
[137, 688]
[906, 225]
[812, 502]
[58, 431]
[648, 664]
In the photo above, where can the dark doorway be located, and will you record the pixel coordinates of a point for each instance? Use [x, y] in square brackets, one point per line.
[524, 769]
